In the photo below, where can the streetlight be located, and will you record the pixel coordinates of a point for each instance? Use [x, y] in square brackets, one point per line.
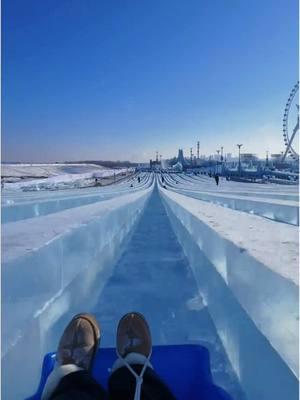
[218, 159]
[239, 146]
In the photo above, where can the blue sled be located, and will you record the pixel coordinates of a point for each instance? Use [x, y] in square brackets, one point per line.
[184, 368]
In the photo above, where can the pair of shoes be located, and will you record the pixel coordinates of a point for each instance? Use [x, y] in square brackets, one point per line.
[80, 340]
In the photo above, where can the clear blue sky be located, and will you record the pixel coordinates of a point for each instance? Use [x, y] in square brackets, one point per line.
[119, 79]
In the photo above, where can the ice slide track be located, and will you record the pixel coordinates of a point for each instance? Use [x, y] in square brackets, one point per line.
[36, 207]
[246, 189]
[151, 274]
[278, 210]
[161, 285]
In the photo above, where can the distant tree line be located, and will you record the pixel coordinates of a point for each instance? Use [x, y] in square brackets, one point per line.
[108, 164]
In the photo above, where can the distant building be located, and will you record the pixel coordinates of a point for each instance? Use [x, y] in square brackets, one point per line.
[143, 167]
[276, 157]
[155, 165]
[180, 157]
[249, 157]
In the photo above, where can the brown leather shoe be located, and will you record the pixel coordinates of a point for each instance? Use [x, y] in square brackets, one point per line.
[133, 335]
[79, 342]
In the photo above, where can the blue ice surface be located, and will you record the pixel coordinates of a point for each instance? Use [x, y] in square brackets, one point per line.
[153, 277]
[185, 369]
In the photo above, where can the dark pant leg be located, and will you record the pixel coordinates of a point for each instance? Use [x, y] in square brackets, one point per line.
[122, 385]
[78, 385]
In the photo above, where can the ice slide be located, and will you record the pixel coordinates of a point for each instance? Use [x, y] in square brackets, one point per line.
[16, 208]
[203, 182]
[159, 252]
[260, 201]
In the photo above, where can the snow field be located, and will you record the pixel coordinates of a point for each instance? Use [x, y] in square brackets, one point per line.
[33, 177]
[36, 170]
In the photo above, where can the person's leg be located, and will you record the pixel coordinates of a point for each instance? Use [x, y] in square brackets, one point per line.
[132, 375]
[71, 378]
[122, 385]
[78, 385]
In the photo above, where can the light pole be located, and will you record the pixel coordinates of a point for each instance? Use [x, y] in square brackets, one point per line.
[218, 159]
[239, 146]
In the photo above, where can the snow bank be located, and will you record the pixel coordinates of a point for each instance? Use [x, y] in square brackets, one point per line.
[56, 176]
[251, 289]
[51, 272]
[46, 170]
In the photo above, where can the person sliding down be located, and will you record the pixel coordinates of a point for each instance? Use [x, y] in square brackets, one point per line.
[132, 376]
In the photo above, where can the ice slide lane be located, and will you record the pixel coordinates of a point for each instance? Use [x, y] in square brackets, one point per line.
[247, 271]
[203, 183]
[36, 207]
[52, 269]
[49, 267]
[153, 277]
[285, 211]
[15, 197]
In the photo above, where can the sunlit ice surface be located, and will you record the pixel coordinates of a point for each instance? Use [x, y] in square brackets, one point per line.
[200, 271]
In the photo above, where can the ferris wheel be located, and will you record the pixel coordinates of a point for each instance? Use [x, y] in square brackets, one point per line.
[290, 138]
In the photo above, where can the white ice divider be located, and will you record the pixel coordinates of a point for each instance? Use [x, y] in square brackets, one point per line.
[251, 289]
[49, 266]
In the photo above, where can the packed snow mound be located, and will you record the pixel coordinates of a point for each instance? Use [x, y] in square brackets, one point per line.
[31, 177]
[46, 170]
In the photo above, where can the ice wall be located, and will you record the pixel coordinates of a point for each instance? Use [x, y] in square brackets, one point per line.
[49, 266]
[253, 303]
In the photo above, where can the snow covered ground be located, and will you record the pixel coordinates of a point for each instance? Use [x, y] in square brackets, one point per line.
[211, 265]
[46, 170]
[33, 177]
